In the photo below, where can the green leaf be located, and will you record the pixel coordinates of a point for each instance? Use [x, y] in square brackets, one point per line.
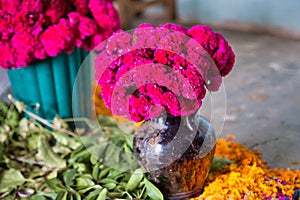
[134, 180]
[37, 197]
[127, 149]
[69, 175]
[102, 195]
[220, 163]
[52, 174]
[48, 195]
[77, 196]
[108, 180]
[84, 182]
[65, 139]
[95, 172]
[81, 167]
[62, 196]
[55, 185]
[110, 186]
[11, 197]
[11, 178]
[13, 118]
[1, 152]
[115, 194]
[78, 150]
[88, 176]
[70, 197]
[61, 137]
[33, 141]
[93, 195]
[82, 156]
[98, 150]
[20, 106]
[86, 189]
[115, 174]
[153, 192]
[129, 140]
[3, 108]
[106, 121]
[49, 156]
[59, 123]
[121, 187]
[110, 152]
[85, 142]
[24, 125]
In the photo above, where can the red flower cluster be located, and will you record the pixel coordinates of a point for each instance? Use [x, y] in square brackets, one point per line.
[36, 29]
[161, 68]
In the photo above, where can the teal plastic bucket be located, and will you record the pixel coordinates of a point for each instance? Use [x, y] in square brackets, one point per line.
[49, 84]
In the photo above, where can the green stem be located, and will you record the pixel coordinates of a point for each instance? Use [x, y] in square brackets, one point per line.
[23, 160]
[41, 120]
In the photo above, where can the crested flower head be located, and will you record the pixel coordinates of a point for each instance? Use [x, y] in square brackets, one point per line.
[161, 68]
[37, 29]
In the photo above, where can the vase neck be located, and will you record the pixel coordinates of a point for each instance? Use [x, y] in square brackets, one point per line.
[168, 121]
[189, 120]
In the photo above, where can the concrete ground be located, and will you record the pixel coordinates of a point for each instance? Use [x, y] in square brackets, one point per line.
[263, 97]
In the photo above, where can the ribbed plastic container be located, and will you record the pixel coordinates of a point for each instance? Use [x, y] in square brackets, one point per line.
[50, 84]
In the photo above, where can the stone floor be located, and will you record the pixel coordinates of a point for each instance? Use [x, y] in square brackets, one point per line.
[263, 97]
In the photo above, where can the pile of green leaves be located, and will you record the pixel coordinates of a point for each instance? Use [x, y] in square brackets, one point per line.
[37, 163]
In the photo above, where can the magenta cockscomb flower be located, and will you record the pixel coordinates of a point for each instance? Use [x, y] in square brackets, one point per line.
[161, 68]
[216, 46]
[37, 29]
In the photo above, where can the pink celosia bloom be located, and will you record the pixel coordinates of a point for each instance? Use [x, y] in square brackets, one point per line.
[10, 6]
[119, 43]
[205, 37]
[6, 55]
[134, 104]
[174, 27]
[105, 15]
[145, 36]
[81, 6]
[215, 45]
[84, 27]
[6, 27]
[95, 40]
[58, 37]
[33, 6]
[161, 68]
[52, 27]
[55, 10]
[23, 43]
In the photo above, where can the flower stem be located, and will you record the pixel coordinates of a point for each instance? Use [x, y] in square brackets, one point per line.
[41, 120]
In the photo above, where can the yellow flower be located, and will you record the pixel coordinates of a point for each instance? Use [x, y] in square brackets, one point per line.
[248, 178]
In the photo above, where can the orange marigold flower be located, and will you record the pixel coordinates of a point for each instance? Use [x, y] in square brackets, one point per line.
[249, 177]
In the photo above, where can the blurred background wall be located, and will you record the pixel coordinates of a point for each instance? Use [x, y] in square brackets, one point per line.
[247, 14]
